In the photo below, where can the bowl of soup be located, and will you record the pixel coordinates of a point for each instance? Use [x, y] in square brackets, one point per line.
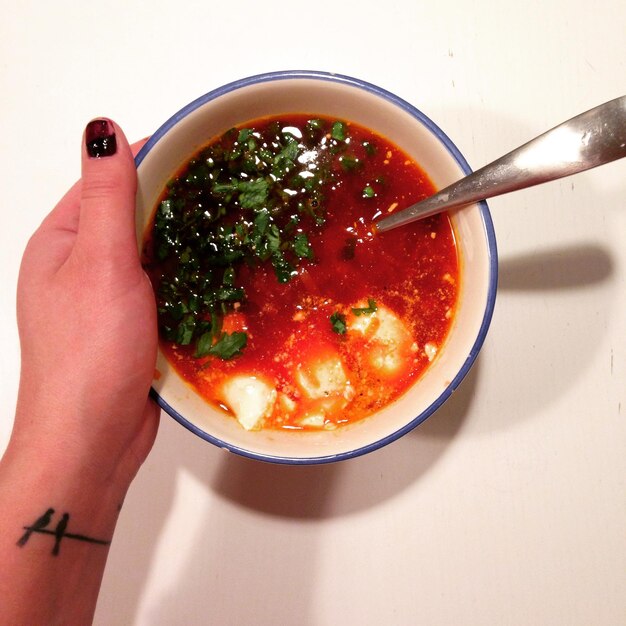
[291, 331]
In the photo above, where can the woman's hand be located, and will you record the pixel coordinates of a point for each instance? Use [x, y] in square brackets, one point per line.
[87, 322]
[84, 424]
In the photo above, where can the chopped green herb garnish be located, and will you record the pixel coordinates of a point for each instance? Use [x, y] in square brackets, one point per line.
[370, 148]
[204, 344]
[261, 223]
[225, 187]
[244, 133]
[285, 159]
[226, 347]
[302, 247]
[368, 310]
[338, 323]
[284, 270]
[229, 294]
[338, 131]
[315, 124]
[229, 276]
[350, 163]
[368, 192]
[272, 239]
[184, 333]
[253, 193]
[253, 196]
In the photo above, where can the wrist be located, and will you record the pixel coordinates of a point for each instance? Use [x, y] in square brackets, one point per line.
[100, 442]
[55, 535]
[65, 483]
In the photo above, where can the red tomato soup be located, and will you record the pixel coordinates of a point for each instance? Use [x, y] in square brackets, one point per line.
[278, 302]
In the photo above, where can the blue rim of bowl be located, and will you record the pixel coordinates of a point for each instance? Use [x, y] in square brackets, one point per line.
[487, 224]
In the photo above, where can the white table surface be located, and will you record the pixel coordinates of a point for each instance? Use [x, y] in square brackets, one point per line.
[509, 505]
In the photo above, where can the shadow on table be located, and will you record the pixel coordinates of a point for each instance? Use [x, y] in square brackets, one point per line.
[552, 313]
[556, 269]
[319, 492]
[233, 551]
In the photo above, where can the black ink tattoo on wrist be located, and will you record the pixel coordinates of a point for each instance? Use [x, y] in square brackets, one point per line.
[39, 526]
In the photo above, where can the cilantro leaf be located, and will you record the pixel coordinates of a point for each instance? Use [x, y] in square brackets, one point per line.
[204, 344]
[229, 276]
[253, 193]
[283, 269]
[370, 148]
[165, 209]
[286, 157]
[261, 222]
[184, 332]
[367, 310]
[244, 133]
[338, 131]
[229, 345]
[302, 247]
[229, 294]
[350, 163]
[315, 124]
[338, 323]
[224, 187]
[273, 238]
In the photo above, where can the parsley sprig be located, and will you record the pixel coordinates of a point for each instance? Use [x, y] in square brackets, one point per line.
[338, 320]
[338, 323]
[371, 307]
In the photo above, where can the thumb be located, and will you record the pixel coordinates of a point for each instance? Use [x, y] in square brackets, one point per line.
[107, 202]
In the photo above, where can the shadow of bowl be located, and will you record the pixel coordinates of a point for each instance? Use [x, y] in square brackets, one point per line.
[338, 489]
[559, 268]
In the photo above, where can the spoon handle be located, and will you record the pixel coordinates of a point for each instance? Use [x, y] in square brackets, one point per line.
[585, 141]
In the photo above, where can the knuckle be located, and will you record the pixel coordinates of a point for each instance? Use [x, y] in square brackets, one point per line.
[99, 186]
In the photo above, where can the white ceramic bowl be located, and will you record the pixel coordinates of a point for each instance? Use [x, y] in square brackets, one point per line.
[344, 98]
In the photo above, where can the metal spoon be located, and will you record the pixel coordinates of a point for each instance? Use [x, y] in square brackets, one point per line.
[587, 140]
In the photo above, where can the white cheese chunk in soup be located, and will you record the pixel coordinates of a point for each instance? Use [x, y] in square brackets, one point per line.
[387, 336]
[321, 379]
[250, 398]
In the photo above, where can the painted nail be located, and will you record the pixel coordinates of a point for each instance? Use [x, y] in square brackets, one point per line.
[100, 138]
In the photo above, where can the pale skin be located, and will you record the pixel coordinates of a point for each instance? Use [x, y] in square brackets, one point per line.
[83, 423]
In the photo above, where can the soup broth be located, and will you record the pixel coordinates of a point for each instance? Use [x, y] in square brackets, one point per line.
[278, 302]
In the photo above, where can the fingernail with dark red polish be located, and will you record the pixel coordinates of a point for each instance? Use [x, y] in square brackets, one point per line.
[100, 138]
